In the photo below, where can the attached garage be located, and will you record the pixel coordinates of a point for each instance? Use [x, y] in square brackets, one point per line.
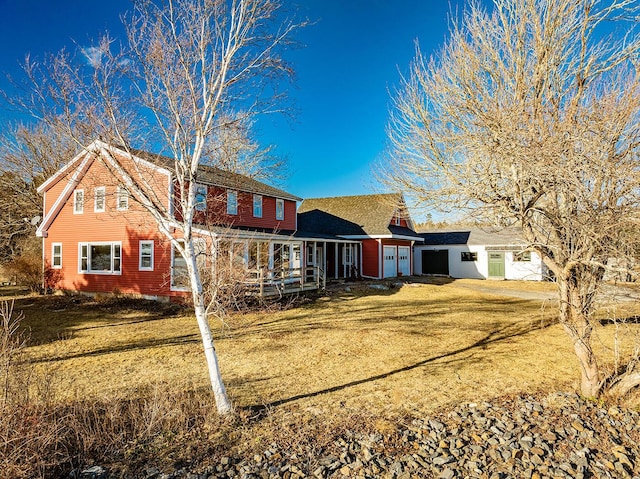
[389, 261]
[435, 262]
[404, 260]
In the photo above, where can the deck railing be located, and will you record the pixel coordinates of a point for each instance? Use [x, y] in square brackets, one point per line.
[281, 281]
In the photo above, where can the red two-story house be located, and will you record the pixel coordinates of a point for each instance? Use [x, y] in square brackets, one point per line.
[99, 238]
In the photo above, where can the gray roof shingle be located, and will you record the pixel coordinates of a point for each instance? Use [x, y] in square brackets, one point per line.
[362, 215]
[473, 236]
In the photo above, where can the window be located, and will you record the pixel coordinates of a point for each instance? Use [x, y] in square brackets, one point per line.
[179, 272]
[469, 256]
[103, 258]
[232, 202]
[98, 194]
[279, 209]
[257, 206]
[348, 254]
[201, 198]
[78, 202]
[122, 198]
[397, 218]
[56, 255]
[146, 256]
[522, 256]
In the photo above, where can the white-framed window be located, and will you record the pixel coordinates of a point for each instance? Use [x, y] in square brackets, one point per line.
[522, 256]
[232, 202]
[78, 202]
[146, 255]
[201, 198]
[56, 255]
[397, 219]
[279, 209]
[100, 258]
[122, 197]
[99, 199]
[257, 206]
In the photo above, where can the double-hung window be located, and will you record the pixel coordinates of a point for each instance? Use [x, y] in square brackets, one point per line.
[56, 255]
[232, 202]
[100, 258]
[78, 202]
[122, 198]
[257, 206]
[146, 255]
[99, 199]
[279, 209]
[201, 198]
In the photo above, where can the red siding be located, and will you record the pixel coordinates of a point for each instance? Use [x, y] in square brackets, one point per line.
[217, 211]
[127, 227]
[370, 258]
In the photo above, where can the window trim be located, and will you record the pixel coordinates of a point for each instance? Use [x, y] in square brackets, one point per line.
[232, 194]
[279, 209]
[122, 194]
[78, 206]
[99, 193]
[54, 255]
[257, 206]
[151, 255]
[113, 257]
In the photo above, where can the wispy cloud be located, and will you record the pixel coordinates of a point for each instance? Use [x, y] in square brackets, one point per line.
[93, 55]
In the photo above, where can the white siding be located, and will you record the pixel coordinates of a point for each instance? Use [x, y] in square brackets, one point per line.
[533, 270]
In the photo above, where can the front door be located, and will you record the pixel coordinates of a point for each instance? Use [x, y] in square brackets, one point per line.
[404, 261]
[389, 265]
[496, 264]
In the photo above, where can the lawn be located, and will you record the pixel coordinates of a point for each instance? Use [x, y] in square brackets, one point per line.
[408, 350]
[122, 382]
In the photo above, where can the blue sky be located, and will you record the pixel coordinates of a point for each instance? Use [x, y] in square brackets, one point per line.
[352, 56]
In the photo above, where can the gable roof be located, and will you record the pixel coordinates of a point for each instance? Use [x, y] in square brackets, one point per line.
[474, 236]
[212, 175]
[354, 216]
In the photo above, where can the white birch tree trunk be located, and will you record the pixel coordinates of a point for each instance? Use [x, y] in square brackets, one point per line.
[223, 404]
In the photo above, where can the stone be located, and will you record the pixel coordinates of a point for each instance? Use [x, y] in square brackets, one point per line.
[93, 472]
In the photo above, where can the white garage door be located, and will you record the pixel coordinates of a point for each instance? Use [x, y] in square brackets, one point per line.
[404, 264]
[390, 265]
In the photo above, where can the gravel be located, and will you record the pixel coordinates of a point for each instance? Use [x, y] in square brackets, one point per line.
[559, 436]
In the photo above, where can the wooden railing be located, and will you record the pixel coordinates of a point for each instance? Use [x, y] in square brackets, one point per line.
[284, 281]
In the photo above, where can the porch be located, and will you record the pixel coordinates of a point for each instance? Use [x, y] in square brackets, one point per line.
[266, 283]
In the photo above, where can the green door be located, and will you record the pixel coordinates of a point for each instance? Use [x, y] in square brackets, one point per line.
[496, 264]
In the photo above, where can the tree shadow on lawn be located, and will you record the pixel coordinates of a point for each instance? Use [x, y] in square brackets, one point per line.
[413, 317]
[48, 319]
[501, 334]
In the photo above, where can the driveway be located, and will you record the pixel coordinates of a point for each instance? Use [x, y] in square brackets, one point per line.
[510, 292]
[610, 293]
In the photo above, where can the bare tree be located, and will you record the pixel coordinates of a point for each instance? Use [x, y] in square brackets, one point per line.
[186, 84]
[529, 115]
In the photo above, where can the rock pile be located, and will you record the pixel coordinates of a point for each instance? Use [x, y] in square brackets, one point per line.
[562, 436]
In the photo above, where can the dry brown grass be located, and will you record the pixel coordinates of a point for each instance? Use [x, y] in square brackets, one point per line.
[358, 359]
[412, 349]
